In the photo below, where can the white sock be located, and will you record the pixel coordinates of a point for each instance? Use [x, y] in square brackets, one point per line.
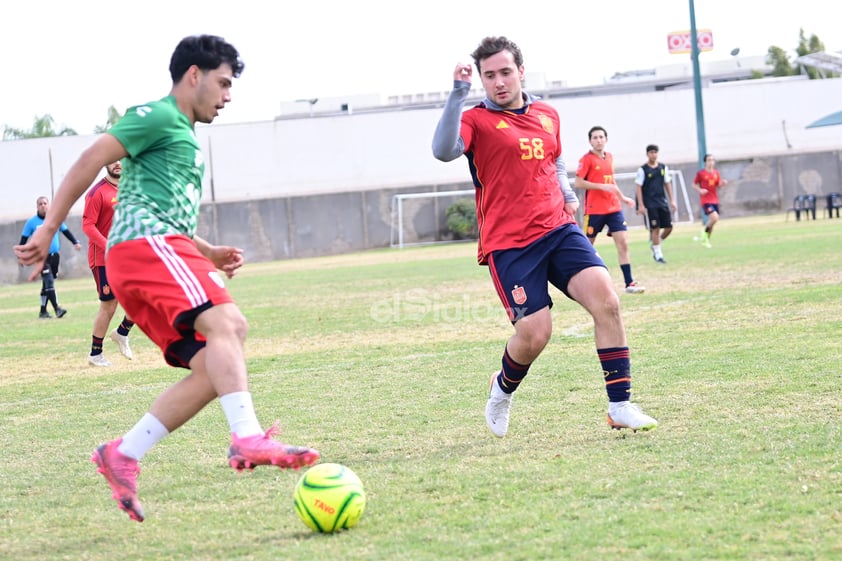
[148, 432]
[656, 249]
[239, 410]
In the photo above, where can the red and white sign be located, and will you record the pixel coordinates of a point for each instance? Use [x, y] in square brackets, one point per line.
[679, 41]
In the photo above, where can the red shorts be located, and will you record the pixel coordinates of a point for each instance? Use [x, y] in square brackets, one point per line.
[163, 283]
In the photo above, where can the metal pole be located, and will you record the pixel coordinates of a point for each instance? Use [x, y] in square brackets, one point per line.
[52, 181]
[400, 223]
[697, 87]
[214, 216]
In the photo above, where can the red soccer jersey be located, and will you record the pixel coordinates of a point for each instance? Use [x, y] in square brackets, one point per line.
[512, 158]
[711, 181]
[595, 169]
[96, 219]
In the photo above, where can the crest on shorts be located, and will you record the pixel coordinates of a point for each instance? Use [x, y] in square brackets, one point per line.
[546, 123]
[519, 295]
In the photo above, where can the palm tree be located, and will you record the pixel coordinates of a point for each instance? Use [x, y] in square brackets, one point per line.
[42, 127]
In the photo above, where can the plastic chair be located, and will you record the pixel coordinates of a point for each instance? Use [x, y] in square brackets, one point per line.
[805, 204]
[834, 203]
[810, 206]
[797, 207]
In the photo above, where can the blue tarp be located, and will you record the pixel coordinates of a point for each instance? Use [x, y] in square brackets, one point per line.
[828, 120]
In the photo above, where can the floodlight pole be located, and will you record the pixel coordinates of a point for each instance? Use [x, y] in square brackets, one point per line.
[697, 87]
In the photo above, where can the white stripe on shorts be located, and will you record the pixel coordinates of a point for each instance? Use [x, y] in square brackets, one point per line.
[191, 286]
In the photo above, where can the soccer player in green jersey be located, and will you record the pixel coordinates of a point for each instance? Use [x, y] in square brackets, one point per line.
[164, 276]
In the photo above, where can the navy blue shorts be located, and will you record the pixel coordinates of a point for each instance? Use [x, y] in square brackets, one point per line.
[594, 223]
[522, 276]
[710, 208]
[102, 287]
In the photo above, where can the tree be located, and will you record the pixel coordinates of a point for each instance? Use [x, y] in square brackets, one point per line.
[113, 117]
[780, 62]
[42, 127]
[808, 46]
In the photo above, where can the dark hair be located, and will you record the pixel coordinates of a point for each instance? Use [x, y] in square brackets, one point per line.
[708, 156]
[208, 52]
[652, 147]
[597, 128]
[490, 46]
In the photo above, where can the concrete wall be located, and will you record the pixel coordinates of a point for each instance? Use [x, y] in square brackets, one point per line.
[307, 226]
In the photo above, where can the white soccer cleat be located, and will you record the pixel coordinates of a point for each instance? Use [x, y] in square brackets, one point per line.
[634, 288]
[98, 360]
[122, 342]
[628, 415]
[497, 408]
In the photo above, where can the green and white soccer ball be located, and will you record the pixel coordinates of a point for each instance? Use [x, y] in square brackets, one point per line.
[329, 497]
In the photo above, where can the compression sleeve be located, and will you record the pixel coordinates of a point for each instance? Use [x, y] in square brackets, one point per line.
[564, 181]
[447, 142]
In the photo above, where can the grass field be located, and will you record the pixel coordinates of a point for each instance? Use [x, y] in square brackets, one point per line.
[381, 361]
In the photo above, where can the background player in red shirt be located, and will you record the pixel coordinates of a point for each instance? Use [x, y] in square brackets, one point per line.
[708, 182]
[527, 234]
[603, 202]
[96, 222]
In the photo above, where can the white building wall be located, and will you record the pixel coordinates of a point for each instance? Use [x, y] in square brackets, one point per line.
[362, 151]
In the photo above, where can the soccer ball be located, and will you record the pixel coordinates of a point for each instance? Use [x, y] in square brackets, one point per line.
[329, 497]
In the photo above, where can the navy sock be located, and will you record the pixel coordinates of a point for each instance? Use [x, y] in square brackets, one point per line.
[125, 326]
[627, 276]
[96, 345]
[616, 367]
[512, 373]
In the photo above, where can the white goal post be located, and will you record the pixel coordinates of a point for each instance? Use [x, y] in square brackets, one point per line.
[683, 211]
[406, 206]
[400, 212]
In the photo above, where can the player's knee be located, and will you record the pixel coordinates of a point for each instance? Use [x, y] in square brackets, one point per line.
[223, 322]
[603, 303]
[534, 333]
[235, 323]
[241, 325]
[533, 342]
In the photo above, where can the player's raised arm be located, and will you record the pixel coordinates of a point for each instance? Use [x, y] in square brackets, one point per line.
[104, 150]
[447, 143]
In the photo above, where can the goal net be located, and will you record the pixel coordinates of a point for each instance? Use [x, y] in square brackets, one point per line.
[625, 181]
[420, 218]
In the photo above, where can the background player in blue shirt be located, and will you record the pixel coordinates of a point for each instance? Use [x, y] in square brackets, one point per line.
[49, 272]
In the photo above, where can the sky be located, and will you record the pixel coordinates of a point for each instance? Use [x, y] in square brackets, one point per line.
[73, 60]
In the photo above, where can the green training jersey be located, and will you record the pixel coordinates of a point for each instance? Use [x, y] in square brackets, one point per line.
[161, 183]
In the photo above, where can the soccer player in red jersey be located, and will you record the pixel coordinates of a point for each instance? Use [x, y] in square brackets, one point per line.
[603, 201]
[528, 236]
[708, 182]
[96, 222]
